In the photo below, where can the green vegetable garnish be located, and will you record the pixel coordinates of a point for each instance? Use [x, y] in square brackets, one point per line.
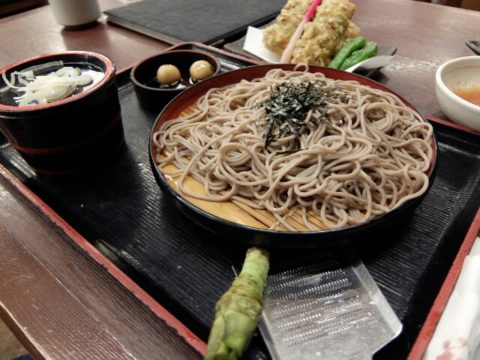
[346, 50]
[288, 107]
[239, 309]
[370, 50]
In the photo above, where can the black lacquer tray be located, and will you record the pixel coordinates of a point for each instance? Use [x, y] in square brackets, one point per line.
[122, 211]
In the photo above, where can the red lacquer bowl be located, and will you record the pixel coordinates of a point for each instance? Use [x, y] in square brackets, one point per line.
[275, 238]
[69, 135]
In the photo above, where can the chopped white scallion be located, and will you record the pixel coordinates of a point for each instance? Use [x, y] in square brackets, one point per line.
[42, 89]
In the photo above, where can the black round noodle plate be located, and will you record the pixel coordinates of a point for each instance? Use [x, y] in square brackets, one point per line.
[275, 238]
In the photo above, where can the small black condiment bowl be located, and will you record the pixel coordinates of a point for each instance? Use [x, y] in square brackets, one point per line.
[151, 95]
[69, 135]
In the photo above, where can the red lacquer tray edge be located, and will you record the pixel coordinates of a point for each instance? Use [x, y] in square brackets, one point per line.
[450, 124]
[92, 252]
[428, 328]
[426, 331]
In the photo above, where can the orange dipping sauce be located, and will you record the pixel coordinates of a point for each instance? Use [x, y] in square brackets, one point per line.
[470, 93]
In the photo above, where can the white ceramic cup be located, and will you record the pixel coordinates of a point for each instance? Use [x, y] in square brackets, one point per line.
[73, 13]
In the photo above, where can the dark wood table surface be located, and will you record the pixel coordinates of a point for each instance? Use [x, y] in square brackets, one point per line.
[62, 298]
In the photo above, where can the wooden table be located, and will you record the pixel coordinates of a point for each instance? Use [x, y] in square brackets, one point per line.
[36, 32]
[62, 298]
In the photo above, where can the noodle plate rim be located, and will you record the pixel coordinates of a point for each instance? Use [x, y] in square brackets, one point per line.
[189, 96]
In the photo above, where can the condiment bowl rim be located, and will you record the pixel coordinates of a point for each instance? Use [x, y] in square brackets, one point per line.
[446, 90]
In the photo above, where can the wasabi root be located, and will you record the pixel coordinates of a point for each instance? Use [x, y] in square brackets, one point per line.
[238, 310]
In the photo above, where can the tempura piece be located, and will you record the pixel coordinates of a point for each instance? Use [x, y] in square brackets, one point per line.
[277, 35]
[322, 35]
[353, 30]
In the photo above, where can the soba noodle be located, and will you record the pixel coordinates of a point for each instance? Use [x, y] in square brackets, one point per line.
[367, 154]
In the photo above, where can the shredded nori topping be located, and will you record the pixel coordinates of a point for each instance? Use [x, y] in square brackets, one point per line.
[288, 107]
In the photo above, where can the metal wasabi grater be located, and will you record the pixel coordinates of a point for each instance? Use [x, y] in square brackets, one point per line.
[325, 307]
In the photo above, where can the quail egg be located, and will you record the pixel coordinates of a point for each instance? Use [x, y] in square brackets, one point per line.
[200, 70]
[168, 74]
